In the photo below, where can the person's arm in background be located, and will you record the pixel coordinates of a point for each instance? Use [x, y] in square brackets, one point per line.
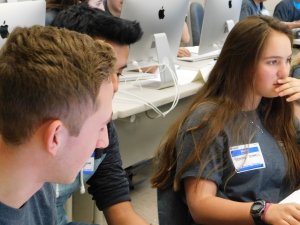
[292, 25]
[123, 214]
[185, 38]
[285, 14]
[109, 187]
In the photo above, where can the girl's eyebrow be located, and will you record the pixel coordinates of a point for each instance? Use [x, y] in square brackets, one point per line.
[276, 57]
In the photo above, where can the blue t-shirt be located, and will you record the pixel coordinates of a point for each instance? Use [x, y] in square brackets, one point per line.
[250, 8]
[38, 210]
[285, 11]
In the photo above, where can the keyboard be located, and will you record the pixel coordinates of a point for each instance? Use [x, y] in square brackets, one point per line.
[198, 57]
[296, 42]
[132, 76]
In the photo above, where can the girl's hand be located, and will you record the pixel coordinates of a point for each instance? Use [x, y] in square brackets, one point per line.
[283, 214]
[289, 87]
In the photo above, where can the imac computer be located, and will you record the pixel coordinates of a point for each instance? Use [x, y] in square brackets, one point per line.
[162, 23]
[219, 18]
[20, 14]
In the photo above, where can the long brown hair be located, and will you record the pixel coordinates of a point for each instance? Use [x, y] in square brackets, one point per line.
[227, 87]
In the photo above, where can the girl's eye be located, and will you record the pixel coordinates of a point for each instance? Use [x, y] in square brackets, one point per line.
[272, 62]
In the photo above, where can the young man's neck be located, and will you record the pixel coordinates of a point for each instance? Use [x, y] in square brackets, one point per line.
[112, 11]
[17, 180]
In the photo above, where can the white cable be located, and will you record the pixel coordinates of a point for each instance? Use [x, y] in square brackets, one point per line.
[56, 190]
[151, 105]
[82, 188]
[142, 100]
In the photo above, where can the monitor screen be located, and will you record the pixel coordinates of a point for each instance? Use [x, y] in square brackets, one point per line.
[219, 18]
[155, 16]
[22, 14]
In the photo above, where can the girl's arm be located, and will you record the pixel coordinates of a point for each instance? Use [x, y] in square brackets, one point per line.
[206, 208]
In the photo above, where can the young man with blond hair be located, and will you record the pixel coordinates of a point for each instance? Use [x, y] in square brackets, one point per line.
[56, 100]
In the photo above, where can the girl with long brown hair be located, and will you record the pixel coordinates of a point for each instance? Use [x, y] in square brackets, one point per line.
[234, 154]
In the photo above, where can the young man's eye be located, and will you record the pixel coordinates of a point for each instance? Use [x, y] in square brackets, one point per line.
[119, 74]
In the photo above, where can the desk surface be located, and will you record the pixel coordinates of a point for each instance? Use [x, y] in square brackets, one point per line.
[125, 104]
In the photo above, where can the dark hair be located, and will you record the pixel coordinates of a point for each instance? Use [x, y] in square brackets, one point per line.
[97, 23]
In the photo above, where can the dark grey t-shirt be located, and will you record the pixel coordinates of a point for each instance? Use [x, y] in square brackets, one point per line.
[250, 185]
[38, 210]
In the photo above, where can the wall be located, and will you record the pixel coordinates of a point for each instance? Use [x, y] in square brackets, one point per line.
[270, 5]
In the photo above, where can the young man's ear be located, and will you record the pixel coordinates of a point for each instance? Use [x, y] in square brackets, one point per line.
[54, 136]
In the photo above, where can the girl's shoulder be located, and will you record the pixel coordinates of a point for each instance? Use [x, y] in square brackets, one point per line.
[200, 114]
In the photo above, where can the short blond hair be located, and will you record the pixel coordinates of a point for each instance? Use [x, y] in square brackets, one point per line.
[49, 73]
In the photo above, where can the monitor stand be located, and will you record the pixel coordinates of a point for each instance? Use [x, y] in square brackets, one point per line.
[165, 63]
[229, 24]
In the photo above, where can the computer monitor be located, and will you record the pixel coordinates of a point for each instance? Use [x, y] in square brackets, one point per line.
[164, 18]
[219, 18]
[20, 14]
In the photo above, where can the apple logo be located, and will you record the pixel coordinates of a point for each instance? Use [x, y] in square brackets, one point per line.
[161, 13]
[230, 4]
[4, 30]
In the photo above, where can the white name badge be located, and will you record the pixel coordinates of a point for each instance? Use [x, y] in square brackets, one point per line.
[247, 157]
[89, 165]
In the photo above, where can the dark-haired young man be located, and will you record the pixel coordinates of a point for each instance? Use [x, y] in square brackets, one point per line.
[107, 180]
